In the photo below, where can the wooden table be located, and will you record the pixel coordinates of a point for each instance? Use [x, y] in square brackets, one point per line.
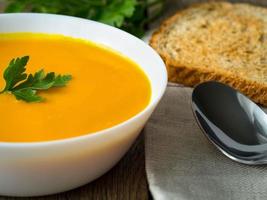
[127, 180]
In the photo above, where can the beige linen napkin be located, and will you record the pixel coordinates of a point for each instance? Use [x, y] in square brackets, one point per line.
[182, 164]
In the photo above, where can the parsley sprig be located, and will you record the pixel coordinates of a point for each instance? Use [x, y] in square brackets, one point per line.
[131, 15]
[25, 86]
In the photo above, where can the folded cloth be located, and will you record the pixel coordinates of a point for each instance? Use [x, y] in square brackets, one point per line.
[182, 164]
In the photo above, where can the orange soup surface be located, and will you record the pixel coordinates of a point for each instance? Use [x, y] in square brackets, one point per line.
[106, 89]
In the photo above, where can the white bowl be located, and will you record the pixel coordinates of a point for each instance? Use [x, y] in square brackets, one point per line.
[42, 168]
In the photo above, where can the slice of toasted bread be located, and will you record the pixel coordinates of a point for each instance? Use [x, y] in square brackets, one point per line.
[217, 41]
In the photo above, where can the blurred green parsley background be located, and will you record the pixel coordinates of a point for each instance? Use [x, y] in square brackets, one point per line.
[132, 16]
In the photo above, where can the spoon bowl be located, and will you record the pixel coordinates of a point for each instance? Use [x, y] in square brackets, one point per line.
[232, 122]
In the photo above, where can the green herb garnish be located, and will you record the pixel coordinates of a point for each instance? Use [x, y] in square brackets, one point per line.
[25, 86]
[130, 15]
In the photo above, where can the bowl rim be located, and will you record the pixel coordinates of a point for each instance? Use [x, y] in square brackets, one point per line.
[153, 102]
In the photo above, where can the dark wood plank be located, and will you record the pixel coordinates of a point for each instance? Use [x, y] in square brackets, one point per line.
[126, 181]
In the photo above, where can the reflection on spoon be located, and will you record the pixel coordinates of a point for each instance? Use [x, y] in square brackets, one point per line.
[232, 122]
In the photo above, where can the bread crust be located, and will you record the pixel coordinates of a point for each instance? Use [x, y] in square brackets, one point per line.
[193, 75]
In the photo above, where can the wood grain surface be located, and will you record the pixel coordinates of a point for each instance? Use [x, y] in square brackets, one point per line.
[126, 181]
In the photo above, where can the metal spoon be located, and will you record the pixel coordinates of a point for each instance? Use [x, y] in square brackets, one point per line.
[232, 122]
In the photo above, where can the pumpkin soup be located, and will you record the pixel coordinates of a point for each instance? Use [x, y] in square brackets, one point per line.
[106, 88]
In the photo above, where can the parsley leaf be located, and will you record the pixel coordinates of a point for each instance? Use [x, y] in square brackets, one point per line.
[62, 80]
[133, 16]
[24, 86]
[117, 11]
[27, 94]
[14, 73]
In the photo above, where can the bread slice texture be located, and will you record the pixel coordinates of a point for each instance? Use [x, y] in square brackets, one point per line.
[217, 41]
